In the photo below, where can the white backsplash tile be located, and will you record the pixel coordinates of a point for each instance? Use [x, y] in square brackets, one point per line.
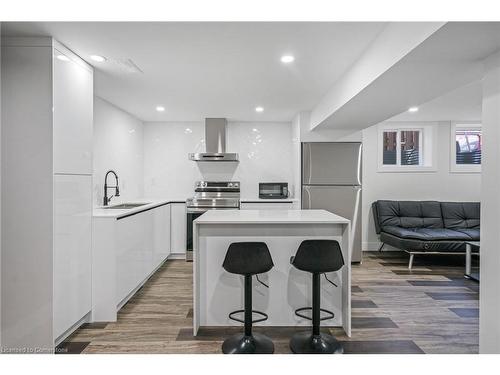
[265, 151]
[118, 145]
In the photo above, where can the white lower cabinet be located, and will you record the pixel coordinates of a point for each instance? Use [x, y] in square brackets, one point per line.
[134, 252]
[126, 252]
[142, 244]
[178, 228]
[72, 250]
[161, 246]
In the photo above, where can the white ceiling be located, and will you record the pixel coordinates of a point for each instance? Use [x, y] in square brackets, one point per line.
[450, 58]
[199, 70]
[462, 104]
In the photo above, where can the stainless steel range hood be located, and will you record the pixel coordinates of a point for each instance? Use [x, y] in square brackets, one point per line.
[215, 142]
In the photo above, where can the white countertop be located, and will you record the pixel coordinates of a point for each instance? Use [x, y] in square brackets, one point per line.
[117, 213]
[260, 200]
[270, 217]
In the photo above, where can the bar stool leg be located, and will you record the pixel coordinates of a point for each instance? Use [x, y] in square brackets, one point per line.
[316, 301]
[248, 306]
[315, 342]
[248, 342]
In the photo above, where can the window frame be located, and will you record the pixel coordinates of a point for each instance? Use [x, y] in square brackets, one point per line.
[462, 168]
[427, 152]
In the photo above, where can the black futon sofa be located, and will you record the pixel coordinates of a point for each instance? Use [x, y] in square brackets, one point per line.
[427, 227]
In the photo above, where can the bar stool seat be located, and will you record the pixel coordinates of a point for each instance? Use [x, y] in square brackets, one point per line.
[248, 259]
[316, 257]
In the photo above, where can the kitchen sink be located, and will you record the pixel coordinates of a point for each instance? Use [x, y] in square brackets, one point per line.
[125, 206]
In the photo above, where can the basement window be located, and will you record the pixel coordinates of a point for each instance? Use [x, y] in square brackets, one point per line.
[465, 148]
[405, 148]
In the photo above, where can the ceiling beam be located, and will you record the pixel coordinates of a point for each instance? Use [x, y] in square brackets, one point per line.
[393, 43]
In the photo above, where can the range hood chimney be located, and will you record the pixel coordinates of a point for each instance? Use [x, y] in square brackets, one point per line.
[215, 142]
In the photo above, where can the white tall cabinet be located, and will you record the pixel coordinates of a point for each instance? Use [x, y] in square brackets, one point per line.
[47, 115]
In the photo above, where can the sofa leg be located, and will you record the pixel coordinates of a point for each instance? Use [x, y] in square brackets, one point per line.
[380, 247]
[410, 263]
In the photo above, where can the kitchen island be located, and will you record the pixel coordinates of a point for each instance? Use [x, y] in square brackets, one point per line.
[217, 292]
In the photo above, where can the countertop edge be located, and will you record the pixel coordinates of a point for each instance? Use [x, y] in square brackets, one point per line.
[261, 200]
[133, 211]
[271, 222]
[275, 216]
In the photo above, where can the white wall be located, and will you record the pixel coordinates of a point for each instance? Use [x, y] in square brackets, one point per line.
[0, 190]
[489, 311]
[118, 145]
[296, 156]
[265, 151]
[439, 185]
[27, 260]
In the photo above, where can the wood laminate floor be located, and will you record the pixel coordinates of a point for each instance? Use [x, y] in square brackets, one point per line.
[431, 309]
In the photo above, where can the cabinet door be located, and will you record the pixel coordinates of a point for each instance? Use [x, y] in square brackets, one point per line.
[135, 242]
[73, 116]
[161, 234]
[72, 250]
[178, 226]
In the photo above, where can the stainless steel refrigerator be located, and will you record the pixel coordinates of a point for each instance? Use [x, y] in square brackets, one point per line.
[331, 180]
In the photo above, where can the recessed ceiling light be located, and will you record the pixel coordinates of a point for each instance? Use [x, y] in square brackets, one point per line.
[287, 59]
[413, 109]
[98, 58]
[63, 57]
[160, 108]
[259, 109]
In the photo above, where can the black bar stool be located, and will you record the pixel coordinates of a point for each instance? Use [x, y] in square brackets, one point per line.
[316, 257]
[248, 259]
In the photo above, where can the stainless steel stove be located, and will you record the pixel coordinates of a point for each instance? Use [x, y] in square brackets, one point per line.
[209, 195]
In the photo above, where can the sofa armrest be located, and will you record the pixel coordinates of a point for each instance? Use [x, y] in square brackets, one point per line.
[375, 217]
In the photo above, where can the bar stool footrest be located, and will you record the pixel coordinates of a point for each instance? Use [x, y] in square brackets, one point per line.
[330, 315]
[264, 316]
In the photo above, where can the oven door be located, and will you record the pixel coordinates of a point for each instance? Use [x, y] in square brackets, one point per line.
[191, 215]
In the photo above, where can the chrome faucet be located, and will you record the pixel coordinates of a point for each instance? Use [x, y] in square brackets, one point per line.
[106, 187]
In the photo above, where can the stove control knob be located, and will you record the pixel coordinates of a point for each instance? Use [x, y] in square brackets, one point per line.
[230, 184]
[235, 184]
[204, 184]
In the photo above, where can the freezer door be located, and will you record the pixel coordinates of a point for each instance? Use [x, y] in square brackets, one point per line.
[341, 200]
[331, 163]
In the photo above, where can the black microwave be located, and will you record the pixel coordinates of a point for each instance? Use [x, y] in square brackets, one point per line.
[273, 190]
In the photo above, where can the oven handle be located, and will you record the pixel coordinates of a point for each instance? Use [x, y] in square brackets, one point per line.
[205, 209]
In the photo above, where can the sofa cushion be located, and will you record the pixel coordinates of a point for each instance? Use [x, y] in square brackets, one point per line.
[427, 234]
[461, 214]
[473, 233]
[409, 214]
[410, 244]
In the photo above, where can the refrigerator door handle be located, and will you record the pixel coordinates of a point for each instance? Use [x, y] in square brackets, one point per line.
[306, 197]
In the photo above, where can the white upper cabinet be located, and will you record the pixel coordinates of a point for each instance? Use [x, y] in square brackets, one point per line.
[73, 114]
